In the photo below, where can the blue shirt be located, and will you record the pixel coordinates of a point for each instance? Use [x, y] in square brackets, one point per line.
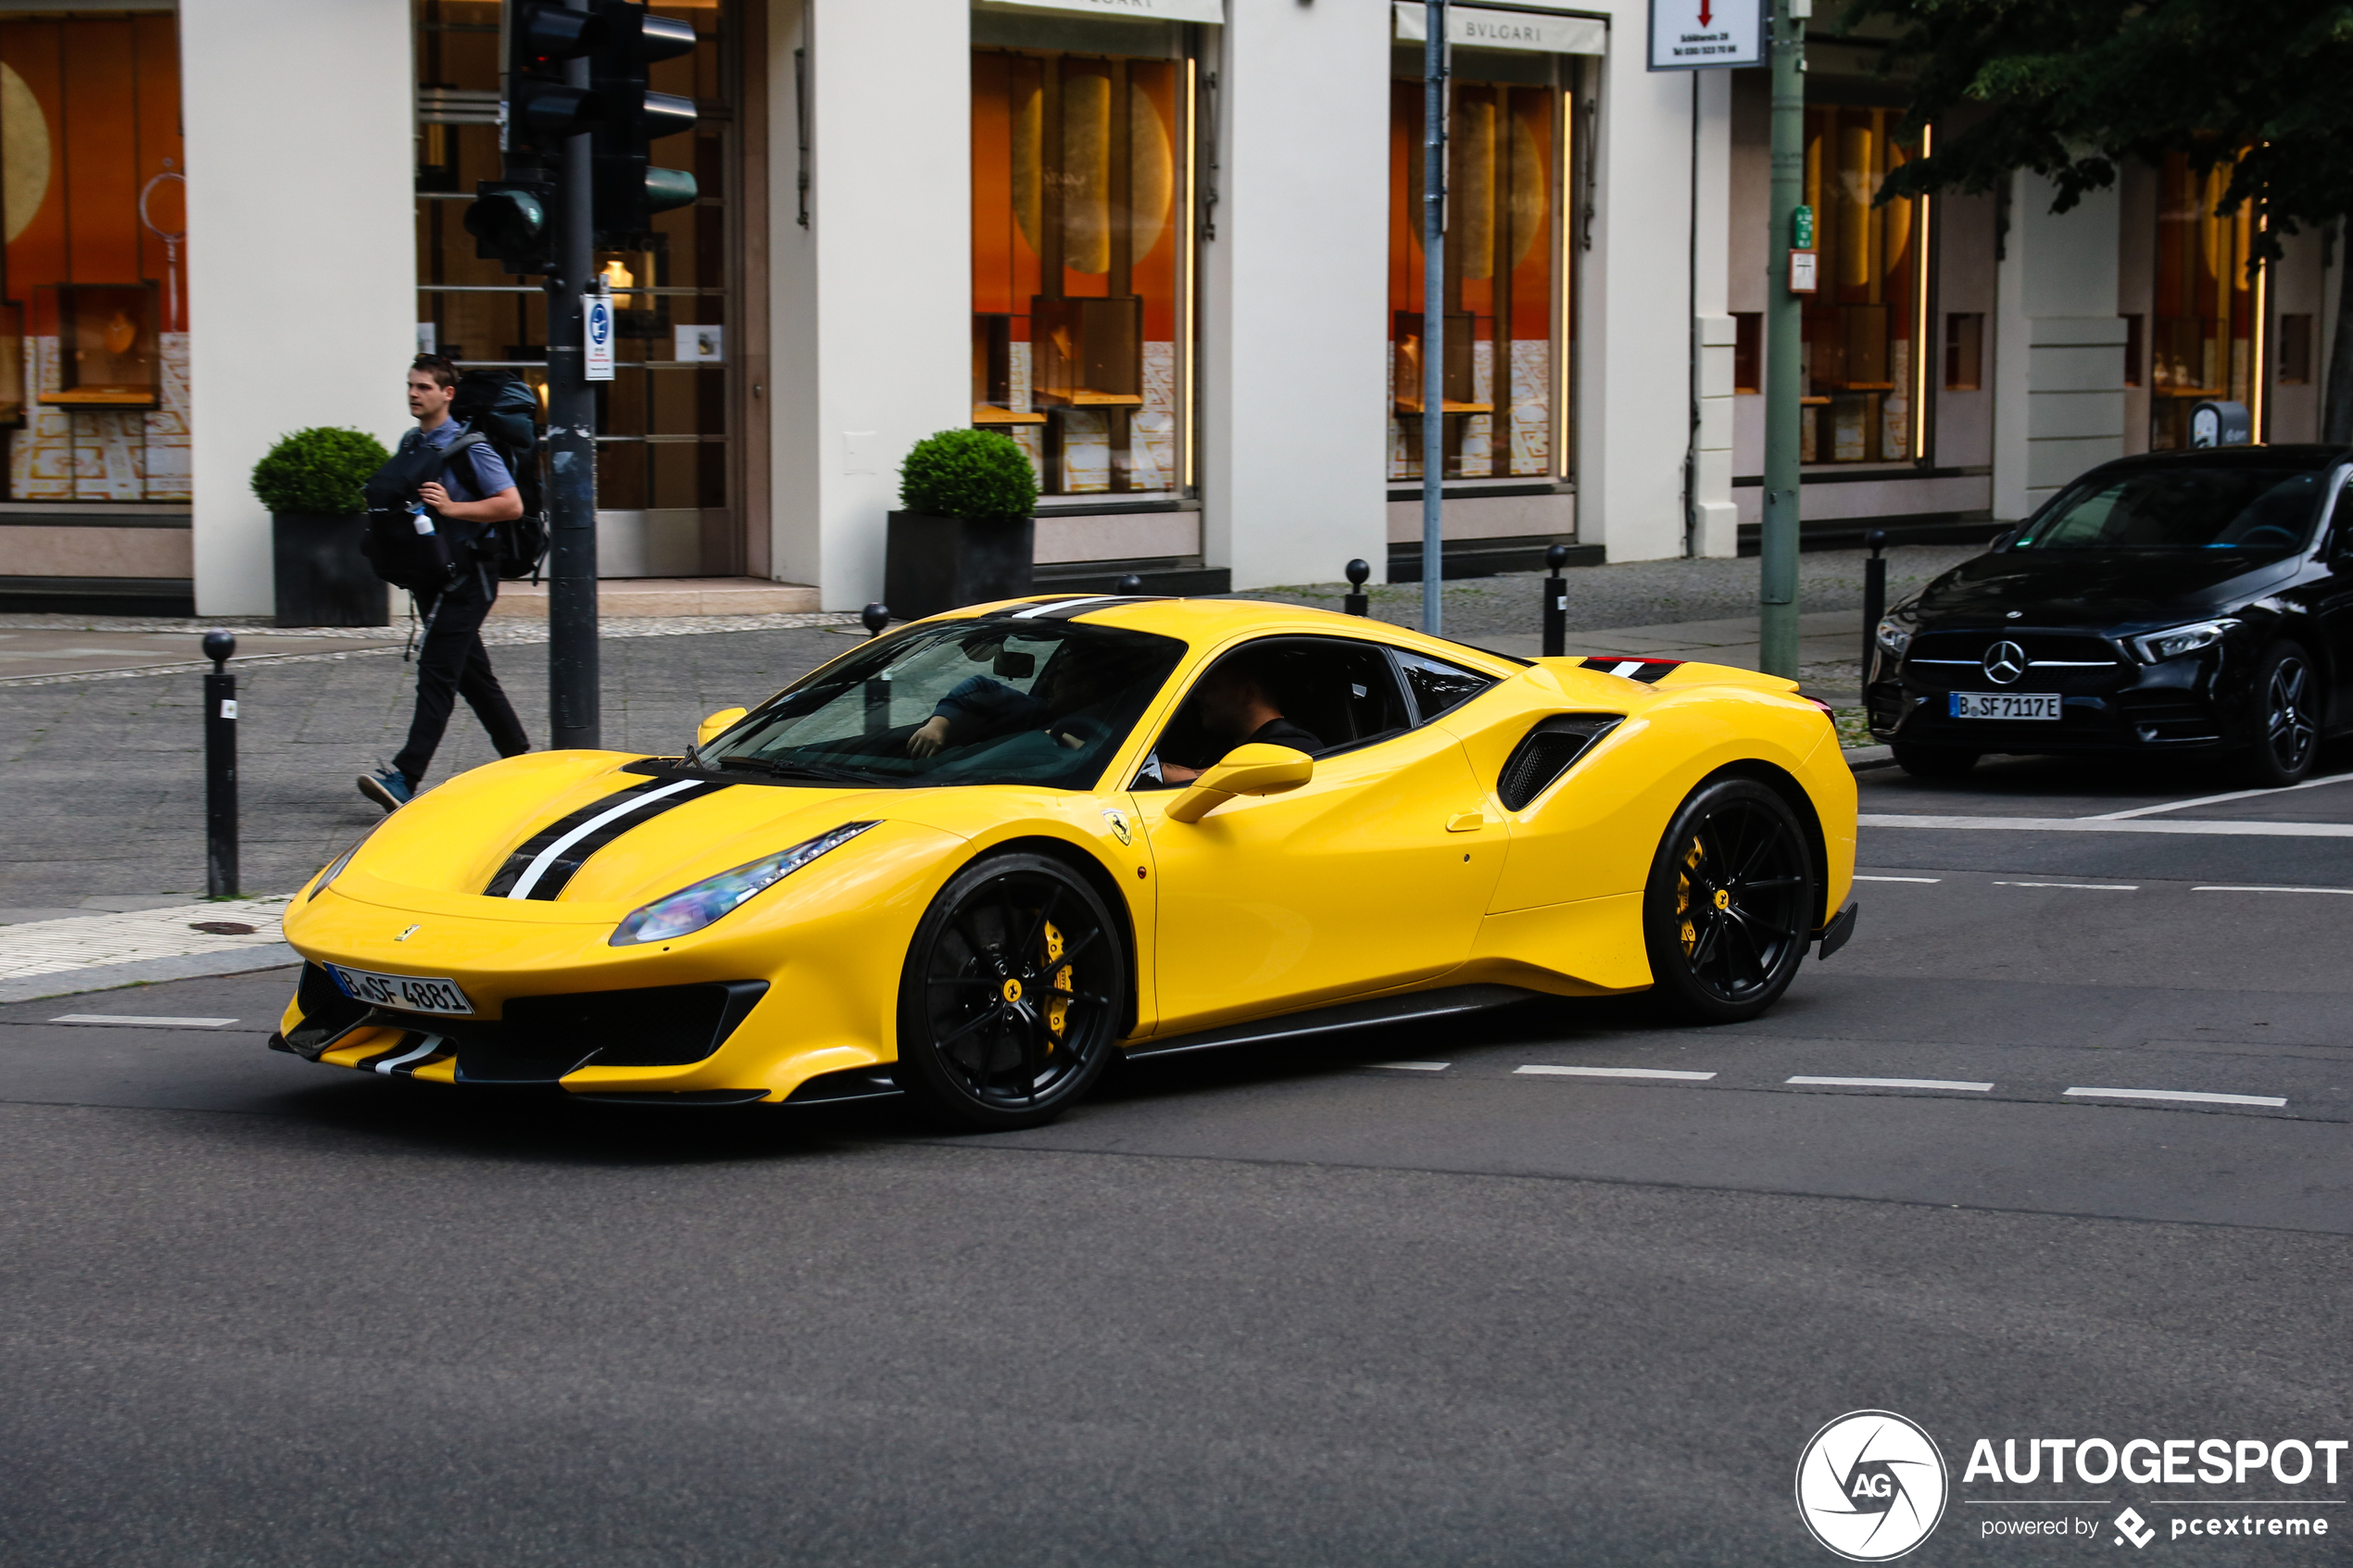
[489, 475]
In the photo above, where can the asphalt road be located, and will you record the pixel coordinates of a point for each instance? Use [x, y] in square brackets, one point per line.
[1391, 1297]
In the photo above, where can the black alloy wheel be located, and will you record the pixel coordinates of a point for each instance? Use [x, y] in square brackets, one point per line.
[1013, 997]
[1730, 906]
[2286, 719]
[1932, 762]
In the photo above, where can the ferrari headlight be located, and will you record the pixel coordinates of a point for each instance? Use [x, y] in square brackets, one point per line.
[2158, 647]
[335, 866]
[691, 909]
[1895, 635]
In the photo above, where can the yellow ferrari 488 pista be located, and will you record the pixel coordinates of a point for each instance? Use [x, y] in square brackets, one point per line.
[973, 859]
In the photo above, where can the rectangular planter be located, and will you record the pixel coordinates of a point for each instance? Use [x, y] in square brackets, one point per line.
[932, 564]
[320, 577]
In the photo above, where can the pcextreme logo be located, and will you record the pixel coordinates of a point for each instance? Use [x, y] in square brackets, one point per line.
[1871, 1486]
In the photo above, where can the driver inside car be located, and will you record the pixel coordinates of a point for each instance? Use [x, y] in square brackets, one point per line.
[979, 706]
[1234, 708]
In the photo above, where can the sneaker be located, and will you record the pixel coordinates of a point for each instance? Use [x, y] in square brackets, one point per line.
[388, 787]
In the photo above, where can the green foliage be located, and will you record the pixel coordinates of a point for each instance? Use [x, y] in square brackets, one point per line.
[323, 470]
[2071, 89]
[967, 473]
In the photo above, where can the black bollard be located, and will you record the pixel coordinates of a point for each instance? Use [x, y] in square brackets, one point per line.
[1356, 603]
[876, 616]
[220, 769]
[1132, 584]
[1874, 598]
[1555, 603]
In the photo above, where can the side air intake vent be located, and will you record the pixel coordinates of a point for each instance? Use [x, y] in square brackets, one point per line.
[1546, 752]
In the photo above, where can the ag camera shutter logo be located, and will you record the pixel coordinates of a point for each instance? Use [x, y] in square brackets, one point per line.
[1871, 1486]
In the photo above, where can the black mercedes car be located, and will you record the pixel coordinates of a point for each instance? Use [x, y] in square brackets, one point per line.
[2181, 602]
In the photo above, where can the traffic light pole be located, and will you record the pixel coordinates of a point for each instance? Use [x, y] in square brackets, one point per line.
[572, 456]
[1784, 370]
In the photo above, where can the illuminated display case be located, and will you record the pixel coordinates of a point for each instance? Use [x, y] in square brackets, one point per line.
[1865, 375]
[1507, 303]
[12, 365]
[107, 353]
[1079, 259]
[2203, 343]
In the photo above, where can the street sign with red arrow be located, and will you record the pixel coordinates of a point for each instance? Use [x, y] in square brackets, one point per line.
[1706, 34]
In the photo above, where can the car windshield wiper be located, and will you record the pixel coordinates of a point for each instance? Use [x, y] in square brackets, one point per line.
[795, 770]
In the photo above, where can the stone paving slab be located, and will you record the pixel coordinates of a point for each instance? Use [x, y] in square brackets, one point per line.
[88, 952]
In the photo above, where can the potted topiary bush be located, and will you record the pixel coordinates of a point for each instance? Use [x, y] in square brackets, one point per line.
[965, 533]
[313, 482]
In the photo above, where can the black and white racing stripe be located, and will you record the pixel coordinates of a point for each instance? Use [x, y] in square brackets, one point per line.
[1064, 610]
[411, 1051]
[1643, 670]
[542, 864]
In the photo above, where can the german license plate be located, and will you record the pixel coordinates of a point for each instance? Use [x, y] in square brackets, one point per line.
[407, 992]
[2004, 705]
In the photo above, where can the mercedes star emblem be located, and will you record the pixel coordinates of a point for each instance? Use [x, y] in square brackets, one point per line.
[2005, 663]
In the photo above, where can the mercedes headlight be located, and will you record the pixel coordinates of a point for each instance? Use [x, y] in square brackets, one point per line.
[1895, 635]
[691, 909]
[2158, 647]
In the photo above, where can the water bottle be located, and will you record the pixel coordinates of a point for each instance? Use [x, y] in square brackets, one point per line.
[421, 518]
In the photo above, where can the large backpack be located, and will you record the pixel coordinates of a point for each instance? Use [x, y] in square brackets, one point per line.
[497, 408]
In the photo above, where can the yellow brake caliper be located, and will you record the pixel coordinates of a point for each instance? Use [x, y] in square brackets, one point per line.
[1057, 1007]
[1686, 930]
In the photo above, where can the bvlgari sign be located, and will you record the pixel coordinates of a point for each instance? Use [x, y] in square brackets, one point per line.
[1706, 34]
[1479, 27]
[1139, 11]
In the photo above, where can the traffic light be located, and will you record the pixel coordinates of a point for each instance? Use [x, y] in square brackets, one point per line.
[629, 190]
[509, 221]
[541, 109]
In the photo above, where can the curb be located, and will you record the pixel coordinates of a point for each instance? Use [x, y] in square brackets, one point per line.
[105, 977]
[1863, 759]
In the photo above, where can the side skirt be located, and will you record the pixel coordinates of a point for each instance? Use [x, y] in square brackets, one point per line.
[1344, 1015]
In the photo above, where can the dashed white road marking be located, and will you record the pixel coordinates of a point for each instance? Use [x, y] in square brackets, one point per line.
[1860, 877]
[1613, 1072]
[2215, 799]
[1892, 1084]
[2080, 887]
[1415, 1066]
[2234, 888]
[2181, 1095]
[136, 1021]
[2101, 824]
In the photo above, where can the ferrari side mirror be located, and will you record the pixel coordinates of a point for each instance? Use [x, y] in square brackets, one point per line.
[716, 725]
[1247, 769]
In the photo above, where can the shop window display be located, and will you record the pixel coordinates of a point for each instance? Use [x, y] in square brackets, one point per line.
[1505, 294]
[1078, 295]
[1863, 328]
[93, 343]
[2200, 343]
[664, 480]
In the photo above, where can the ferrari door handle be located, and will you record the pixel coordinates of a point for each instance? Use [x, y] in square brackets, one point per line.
[1466, 821]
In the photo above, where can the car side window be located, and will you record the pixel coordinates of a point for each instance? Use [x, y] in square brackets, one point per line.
[1436, 685]
[1327, 694]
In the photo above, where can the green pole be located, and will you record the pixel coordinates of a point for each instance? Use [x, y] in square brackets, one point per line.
[1784, 371]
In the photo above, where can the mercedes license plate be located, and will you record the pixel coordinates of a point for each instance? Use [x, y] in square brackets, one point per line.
[407, 992]
[2005, 705]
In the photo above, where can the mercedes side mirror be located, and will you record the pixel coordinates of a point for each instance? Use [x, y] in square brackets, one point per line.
[1247, 769]
[716, 725]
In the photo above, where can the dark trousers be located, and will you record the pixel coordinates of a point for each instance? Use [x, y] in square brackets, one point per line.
[452, 664]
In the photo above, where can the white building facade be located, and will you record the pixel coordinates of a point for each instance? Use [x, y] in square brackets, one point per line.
[1170, 247]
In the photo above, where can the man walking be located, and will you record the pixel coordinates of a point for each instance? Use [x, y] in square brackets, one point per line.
[471, 496]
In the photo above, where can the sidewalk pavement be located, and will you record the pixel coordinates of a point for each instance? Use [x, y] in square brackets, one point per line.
[1830, 652]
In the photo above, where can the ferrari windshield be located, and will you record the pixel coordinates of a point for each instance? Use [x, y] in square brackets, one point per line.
[966, 702]
[2262, 509]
